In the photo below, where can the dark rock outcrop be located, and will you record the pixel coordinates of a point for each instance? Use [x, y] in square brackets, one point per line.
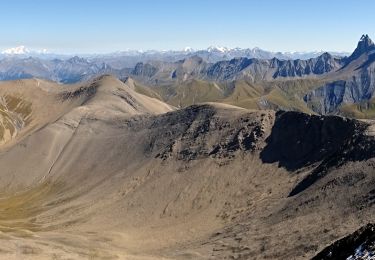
[297, 68]
[298, 140]
[357, 245]
[144, 70]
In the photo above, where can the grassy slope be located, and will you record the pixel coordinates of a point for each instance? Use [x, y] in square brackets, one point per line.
[277, 94]
[364, 110]
[245, 95]
[191, 92]
[147, 91]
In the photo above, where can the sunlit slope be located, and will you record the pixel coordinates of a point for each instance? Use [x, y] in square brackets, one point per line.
[277, 94]
[26, 105]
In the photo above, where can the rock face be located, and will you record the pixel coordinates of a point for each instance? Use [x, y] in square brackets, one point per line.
[322, 137]
[328, 98]
[317, 66]
[358, 245]
[237, 68]
[365, 46]
[144, 70]
[194, 142]
[229, 70]
[298, 140]
[357, 83]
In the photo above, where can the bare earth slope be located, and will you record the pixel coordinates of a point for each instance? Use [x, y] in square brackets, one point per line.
[113, 174]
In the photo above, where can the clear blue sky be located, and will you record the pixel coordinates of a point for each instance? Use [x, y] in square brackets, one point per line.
[78, 26]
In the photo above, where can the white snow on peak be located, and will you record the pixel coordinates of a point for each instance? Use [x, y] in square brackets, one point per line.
[218, 49]
[188, 49]
[22, 50]
[16, 50]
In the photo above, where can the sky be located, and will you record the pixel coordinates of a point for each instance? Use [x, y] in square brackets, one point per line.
[99, 26]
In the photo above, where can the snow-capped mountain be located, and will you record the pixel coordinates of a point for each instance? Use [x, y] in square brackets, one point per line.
[188, 49]
[16, 50]
[22, 50]
[129, 58]
[218, 49]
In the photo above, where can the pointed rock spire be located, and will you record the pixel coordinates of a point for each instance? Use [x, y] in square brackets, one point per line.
[365, 45]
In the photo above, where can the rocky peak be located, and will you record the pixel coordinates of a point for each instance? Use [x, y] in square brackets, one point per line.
[326, 55]
[77, 59]
[144, 69]
[365, 45]
[365, 39]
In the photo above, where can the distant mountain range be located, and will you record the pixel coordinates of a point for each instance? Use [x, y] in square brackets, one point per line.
[325, 84]
[130, 58]
[21, 62]
[211, 54]
[61, 70]
[156, 72]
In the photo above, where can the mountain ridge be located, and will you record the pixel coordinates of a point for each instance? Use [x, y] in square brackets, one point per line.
[328, 84]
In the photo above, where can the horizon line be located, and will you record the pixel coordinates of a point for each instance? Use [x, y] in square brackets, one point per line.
[46, 51]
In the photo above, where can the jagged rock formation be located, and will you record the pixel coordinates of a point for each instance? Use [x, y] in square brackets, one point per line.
[317, 66]
[77, 69]
[354, 82]
[365, 46]
[343, 85]
[237, 68]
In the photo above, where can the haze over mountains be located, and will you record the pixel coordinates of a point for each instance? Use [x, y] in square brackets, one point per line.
[209, 155]
[18, 60]
[211, 54]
